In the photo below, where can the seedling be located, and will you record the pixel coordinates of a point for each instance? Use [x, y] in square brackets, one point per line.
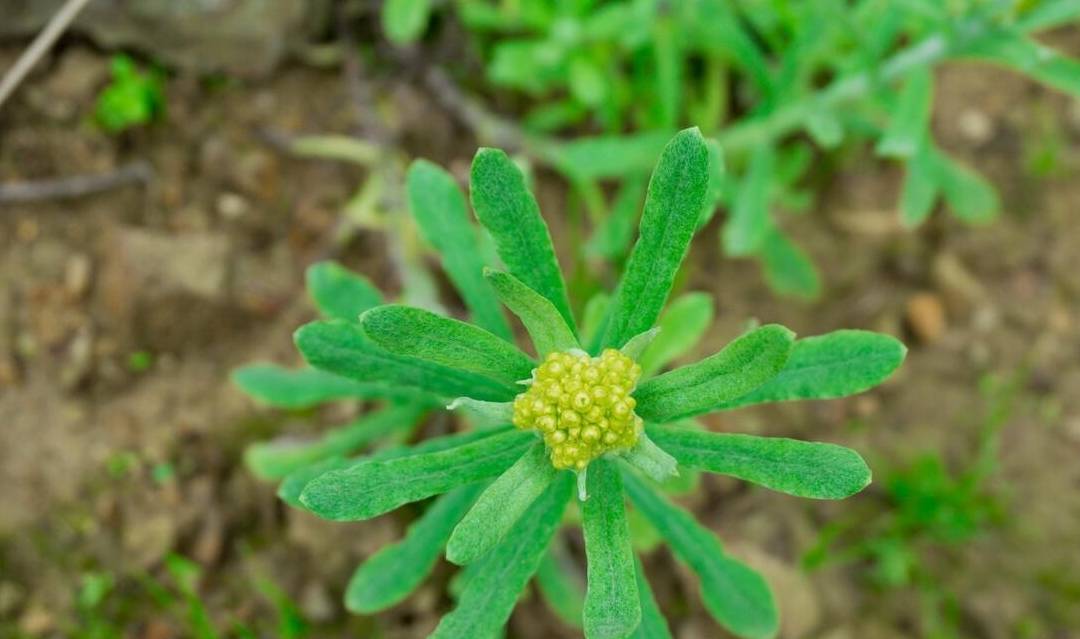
[133, 98]
[588, 411]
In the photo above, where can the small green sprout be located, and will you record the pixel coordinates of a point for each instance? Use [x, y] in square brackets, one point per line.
[132, 99]
[505, 490]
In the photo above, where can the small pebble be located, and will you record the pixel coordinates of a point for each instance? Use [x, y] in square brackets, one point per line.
[926, 317]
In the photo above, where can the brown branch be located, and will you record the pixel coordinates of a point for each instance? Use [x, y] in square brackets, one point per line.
[64, 188]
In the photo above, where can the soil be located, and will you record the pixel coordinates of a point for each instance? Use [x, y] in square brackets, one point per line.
[121, 315]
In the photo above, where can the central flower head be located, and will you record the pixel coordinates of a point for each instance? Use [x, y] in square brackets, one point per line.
[582, 406]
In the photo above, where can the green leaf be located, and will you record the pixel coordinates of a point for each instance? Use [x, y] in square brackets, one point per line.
[653, 625]
[788, 269]
[563, 594]
[496, 412]
[653, 462]
[612, 609]
[282, 387]
[681, 327]
[673, 204]
[339, 293]
[391, 574]
[441, 213]
[414, 332]
[824, 127]
[404, 21]
[611, 238]
[343, 349]
[613, 156]
[503, 204]
[920, 189]
[836, 364]
[546, 327]
[638, 343]
[910, 118]
[496, 581]
[804, 469]
[290, 490]
[1031, 58]
[734, 594]
[498, 509]
[372, 488]
[276, 459]
[743, 365]
[592, 319]
[750, 222]
[968, 194]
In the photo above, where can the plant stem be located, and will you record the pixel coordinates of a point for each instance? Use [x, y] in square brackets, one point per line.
[40, 46]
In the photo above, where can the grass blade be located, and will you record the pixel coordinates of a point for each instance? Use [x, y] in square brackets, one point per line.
[674, 202]
[562, 593]
[372, 488]
[743, 365]
[735, 595]
[836, 364]
[342, 348]
[503, 204]
[546, 327]
[804, 469]
[496, 581]
[612, 608]
[414, 332]
[501, 505]
[391, 574]
[443, 217]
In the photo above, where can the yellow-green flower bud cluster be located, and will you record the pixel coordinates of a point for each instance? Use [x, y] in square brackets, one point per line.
[582, 406]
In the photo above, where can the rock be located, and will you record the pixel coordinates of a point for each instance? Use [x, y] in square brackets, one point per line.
[926, 317]
[231, 206]
[976, 126]
[961, 289]
[317, 604]
[244, 37]
[79, 359]
[77, 272]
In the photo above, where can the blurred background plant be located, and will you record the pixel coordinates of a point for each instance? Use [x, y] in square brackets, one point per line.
[132, 98]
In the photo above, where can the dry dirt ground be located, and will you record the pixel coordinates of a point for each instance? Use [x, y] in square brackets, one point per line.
[121, 315]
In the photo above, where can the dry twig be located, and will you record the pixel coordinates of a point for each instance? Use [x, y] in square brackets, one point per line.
[138, 172]
[40, 46]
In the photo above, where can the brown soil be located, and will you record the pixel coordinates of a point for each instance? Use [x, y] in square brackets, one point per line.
[108, 464]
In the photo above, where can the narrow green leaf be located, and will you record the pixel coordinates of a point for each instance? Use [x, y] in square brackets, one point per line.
[611, 239]
[676, 196]
[1029, 57]
[500, 506]
[404, 21]
[276, 459]
[372, 488]
[290, 490]
[339, 293]
[492, 411]
[612, 608]
[391, 574]
[788, 268]
[613, 156]
[414, 332]
[968, 194]
[592, 319]
[496, 581]
[920, 189]
[825, 127]
[542, 320]
[342, 348]
[296, 388]
[503, 204]
[681, 327]
[563, 594]
[910, 117]
[443, 217]
[836, 364]
[654, 462]
[636, 345]
[743, 365]
[653, 625]
[749, 223]
[734, 594]
[804, 469]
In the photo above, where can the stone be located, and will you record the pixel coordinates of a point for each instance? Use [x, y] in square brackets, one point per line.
[926, 317]
[242, 37]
